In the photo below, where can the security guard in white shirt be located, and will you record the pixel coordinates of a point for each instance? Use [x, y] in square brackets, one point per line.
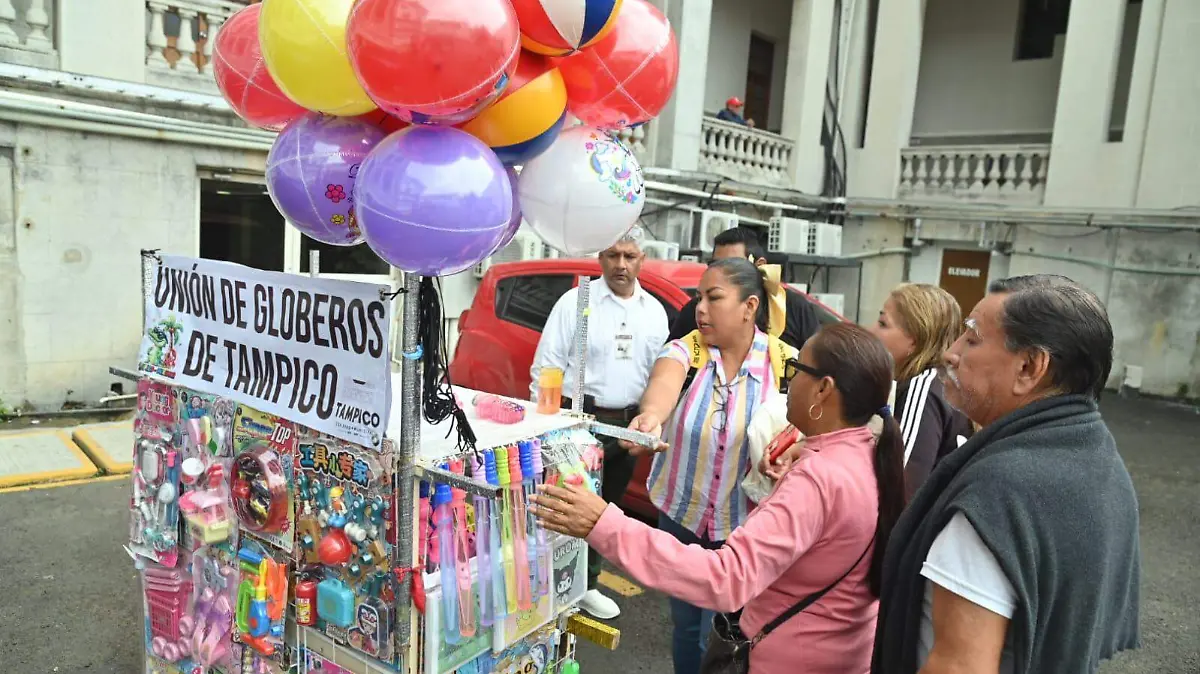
[627, 328]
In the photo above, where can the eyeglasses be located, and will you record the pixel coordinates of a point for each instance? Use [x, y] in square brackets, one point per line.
[793, 367]
[720, 416]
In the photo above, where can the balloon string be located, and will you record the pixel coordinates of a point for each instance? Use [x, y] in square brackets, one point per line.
[437, 396]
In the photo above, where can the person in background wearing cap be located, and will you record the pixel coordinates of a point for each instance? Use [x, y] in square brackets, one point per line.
[733, 111]
[792, 317]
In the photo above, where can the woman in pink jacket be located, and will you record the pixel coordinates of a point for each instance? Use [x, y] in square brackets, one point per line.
[825, 525]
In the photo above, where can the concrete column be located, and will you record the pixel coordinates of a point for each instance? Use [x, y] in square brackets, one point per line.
[808, 63]
[676, 131]
[893, 95]
[1081, 168]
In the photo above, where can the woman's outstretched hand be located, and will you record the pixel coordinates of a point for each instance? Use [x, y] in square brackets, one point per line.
[569, 510]
[645, 423]
[776, 469]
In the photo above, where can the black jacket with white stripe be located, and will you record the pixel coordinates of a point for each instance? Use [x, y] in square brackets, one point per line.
[929, 425]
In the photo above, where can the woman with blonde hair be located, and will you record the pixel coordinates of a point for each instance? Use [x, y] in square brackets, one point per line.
[917, 324]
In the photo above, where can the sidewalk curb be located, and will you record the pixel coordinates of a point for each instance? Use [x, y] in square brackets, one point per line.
[98, 454]
[85, 469]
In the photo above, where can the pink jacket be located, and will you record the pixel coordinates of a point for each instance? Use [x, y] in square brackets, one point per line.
[802, 537]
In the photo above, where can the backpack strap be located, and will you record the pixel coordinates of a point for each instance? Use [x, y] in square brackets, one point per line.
[778, 351]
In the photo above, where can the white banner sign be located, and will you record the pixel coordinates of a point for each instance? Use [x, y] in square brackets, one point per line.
[310, 350]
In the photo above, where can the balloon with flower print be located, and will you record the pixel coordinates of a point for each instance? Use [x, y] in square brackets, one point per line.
[311, 171]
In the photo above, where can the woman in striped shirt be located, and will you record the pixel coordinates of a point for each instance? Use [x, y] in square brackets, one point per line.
[917, 324]
[696, 478]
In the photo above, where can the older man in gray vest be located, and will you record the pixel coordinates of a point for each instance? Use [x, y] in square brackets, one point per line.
[1020, 552]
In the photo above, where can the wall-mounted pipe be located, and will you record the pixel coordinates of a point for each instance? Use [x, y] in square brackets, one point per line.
[1101, 264]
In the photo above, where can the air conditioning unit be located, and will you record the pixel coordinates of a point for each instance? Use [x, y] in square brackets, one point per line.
[787, 235]
[524, 246]
[689, 258]
[661, 250]
[711, 223]
[835, 301]
[824, 239]
[801, 237]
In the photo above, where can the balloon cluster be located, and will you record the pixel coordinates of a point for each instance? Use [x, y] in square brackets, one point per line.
[401, 120]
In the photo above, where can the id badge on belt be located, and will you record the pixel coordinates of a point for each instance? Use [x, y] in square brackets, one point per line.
[624, 344]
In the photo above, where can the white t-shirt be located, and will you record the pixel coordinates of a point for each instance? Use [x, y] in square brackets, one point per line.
[960, 562]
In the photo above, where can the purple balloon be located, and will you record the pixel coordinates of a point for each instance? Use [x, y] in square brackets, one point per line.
[311, 171]
[433, 200]
[515, 223]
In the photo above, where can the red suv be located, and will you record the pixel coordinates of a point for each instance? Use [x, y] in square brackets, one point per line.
[499, 334]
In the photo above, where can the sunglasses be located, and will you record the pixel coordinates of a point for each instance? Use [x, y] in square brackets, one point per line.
[793, 367]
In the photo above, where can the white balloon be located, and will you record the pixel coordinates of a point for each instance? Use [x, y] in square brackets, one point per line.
[583, 193]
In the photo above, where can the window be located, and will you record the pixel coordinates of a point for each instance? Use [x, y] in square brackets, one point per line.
[238, 223]
[527, 300]
[1039, 25]
[358, 259]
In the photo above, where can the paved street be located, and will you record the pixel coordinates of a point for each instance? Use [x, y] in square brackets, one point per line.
[70, 597]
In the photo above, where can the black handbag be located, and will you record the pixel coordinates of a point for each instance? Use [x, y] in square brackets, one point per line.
[728, 650]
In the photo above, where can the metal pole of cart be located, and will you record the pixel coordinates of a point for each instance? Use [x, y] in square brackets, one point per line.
[581, 336]
[410, 438]
[149, 262]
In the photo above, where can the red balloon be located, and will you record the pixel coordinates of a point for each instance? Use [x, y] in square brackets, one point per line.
[433, 61]
[242, 76]
[627, 78]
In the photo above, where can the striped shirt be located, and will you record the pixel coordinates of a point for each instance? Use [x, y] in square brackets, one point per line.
[697, 482]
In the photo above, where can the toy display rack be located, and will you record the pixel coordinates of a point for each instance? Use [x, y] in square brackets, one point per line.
[406, 427]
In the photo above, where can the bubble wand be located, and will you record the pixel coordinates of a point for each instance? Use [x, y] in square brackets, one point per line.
[495, 555]
[506, 530]
[520, 541]
[462, 557]
[483, 549]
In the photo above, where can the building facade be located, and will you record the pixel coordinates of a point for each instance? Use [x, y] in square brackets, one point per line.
[974, 139]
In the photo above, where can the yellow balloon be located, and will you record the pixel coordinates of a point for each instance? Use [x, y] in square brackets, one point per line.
[304, 45]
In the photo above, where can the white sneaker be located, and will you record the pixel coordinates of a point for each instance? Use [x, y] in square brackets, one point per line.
[599, 606]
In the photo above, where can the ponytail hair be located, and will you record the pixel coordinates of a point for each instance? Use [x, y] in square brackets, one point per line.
[750, 280]
[889, 478]
[861, 368]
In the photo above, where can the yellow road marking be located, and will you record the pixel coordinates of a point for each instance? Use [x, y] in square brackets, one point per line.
[64, 483]
[619, 585]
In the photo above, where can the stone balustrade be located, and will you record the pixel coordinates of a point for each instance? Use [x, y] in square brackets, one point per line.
[745, 154]
[1013, 173]
[179, 39]
[27, 32]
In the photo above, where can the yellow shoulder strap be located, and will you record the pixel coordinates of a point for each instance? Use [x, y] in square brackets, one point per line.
[696, 348]
[779, 351]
